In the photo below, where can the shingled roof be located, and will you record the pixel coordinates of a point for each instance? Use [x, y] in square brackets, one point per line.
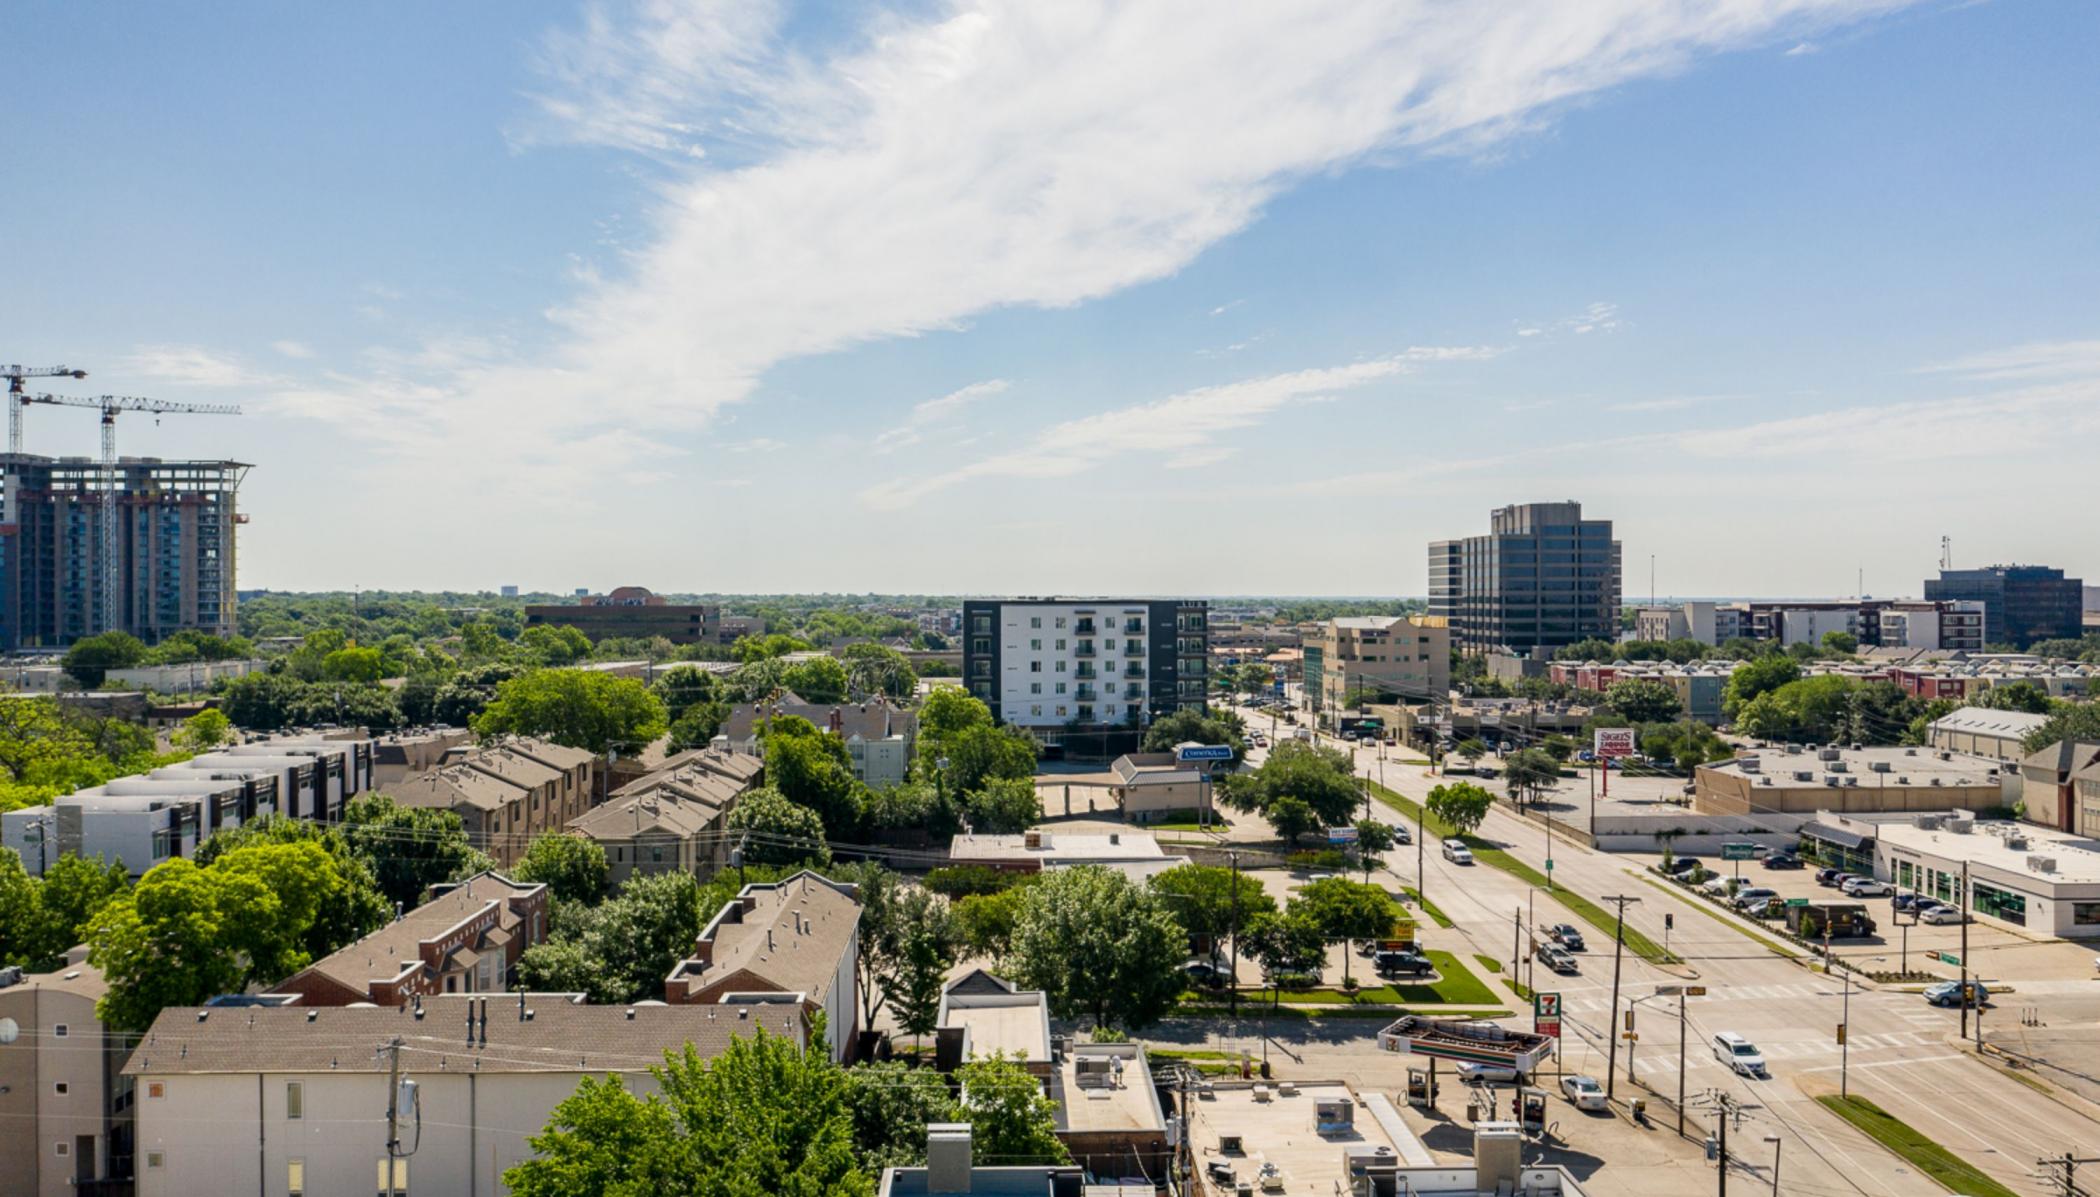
[788, 936]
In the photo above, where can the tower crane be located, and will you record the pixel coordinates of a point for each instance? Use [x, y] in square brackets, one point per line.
[110, 405]
[17, 400]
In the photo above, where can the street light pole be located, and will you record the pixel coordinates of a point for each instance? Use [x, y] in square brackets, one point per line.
[1234, 856]
[1618, 957]
[1777, 1145]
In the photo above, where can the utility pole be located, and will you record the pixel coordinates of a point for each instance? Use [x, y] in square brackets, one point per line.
[392, 1050]
[1965, 952]
[1681, 992]
[1234, 856]
[1618, 958]
[1845, 1039]
[2063, 1168]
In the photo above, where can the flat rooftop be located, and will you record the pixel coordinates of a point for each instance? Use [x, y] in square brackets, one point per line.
[1918, 764]
[1107, 1087]
[1057, 846]
[1282, 1131]
[1017, 1024]
[1990, 843]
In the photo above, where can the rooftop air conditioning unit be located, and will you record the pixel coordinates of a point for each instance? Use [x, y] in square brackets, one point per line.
[1804, 775]
[1827, 754]
[1910, 752]
[1856, 746]
[1764, 781]
[1879, 766]
[1936, 781]
[1748, 763]
[1032, 840]
[1930, 822]
[2041, 864]
[1838, 766]
[2016, 843]
[1832, 779]
[1852, 781]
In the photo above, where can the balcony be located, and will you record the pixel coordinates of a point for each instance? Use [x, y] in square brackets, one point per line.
[1084, 648]
[1084, 693]
[1083, 627]
[1135, 648]
[1083, 671]
[1133, 627]
[1134, 670]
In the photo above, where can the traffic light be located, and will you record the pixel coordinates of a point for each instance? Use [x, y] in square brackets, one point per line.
[1669, 921]
[1841, 1034]
[1629, 1020]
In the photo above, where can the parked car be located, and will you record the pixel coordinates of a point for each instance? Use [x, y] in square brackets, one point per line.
[1566, 936]
[1866, 887]
[1838, 882]
[1457, 853]
[1484, 1074]
[1753, 895]
[1904, 901]
[1739, 1054]
[1205, 974]
[1680, 865]
[1401, 964]
[1716, 885]
[1557, 958]
[1941, 916]
[1782, 860]
[1583, 1092]
[1828, 876]
[1948, 993]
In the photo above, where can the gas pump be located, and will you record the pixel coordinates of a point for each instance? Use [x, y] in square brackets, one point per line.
[1531, 1110]
[1421, 1088]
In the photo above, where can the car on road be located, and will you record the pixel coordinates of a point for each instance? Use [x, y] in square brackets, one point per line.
[1401, 835]
[1483, 1074]
[1457, 853]
[1566, 936]
[1401, 964]
[1782, 860]
[1942, 916]
[1948, 993]
[1867, 887]
[1753, 895]
[1739, 1054]
[1583, 1092]
[1557, 958]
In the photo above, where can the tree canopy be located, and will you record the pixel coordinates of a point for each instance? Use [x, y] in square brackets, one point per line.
[1201, 898]
[1299, 789]
[1461, 804]
[1099, 946]
[580, 708]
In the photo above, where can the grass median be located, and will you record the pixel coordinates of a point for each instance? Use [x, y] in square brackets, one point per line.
[1951, 1171]
[1435, 913]
[1499, 858]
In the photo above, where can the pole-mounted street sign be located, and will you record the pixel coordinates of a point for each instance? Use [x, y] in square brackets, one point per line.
[1194, 753]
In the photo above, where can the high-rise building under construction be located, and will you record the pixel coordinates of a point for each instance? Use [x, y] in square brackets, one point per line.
[173, 540]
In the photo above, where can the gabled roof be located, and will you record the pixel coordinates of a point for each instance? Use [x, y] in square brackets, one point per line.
[547, 752]
[791, 934]
[2062, 757]
[449, 786]
[385, 953]
[513, 765]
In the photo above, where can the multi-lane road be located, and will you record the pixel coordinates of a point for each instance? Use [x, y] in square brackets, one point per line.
[1903, 1054]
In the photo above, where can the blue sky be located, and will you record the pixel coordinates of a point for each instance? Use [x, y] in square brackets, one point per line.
[993, 296]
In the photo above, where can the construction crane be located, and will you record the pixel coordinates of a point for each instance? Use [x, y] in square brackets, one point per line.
[110, 405]
[17, 400]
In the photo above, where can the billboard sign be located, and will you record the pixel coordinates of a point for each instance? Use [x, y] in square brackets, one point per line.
[1341, 835]
[1614, 742]
[1189, 754]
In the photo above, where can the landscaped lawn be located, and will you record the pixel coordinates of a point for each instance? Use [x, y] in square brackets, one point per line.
[1455, 986]
[1951, 1171]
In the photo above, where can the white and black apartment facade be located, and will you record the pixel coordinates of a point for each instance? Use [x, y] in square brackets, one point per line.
[1057, 662]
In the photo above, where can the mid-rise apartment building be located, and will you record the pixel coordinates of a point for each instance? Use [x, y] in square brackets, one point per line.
[1053, 662]
[63, 1099]
[2021, 603]
[506, 793]
[1404, 656]
[173, 531]
[631, 611]
[1542, 577]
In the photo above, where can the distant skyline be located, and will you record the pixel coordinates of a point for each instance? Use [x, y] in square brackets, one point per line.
[992, 297]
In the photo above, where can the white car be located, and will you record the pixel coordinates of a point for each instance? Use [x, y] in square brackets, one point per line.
[1940, 916]
[1716, 885]
[1739, 1054]
[1483, 1074]
[1753, 895]
[1867, 887]
[1583, 1092]
[1457, 853]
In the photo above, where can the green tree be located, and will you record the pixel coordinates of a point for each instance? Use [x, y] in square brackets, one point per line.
[949, 710]
[554, 646]
[580, 708]
[558, 966]
[1757, 676]
[1840, 642]
[1004, 806]
[878, 669]
[2067, 721]
[1202, 899]
[986, 922]
[811, 769]
[782, 832]
[764, 648]
[764, 1117]
[1348, 910]
[1529, 773]
[572, 867]
[166, 943]
[925, 949]
[1472, 748]
[818, 679]
[1291, 944]
[2014, 696]
[203, 731]
[1296, 781]
[408, 849]
[892, 1103]
[1099, 945]
[71, 891]
[603, 1141]
[1643, 701]
[92, 657]
[1186, 725]
[1593, 649]
[1460, 804]
[359, 907]
[353, 664]
[21, 939]
[977, 755]
[1373, 840]
[1012, 1122]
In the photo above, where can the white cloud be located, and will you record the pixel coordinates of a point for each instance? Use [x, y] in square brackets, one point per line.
[1598, 317]
[761, 444]
[936, 411]
[1801, 48]
[1183, 427]
[932, 166]
[2044, 359]
[297, 349]
[191, 366]
[1666, 403]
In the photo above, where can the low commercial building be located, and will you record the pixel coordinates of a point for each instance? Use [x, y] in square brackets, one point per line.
[1109, 1115]
[1980, 731]
[794, 942]
[284, 1100]
[2041, 882]
[1034, 851]
[950, 1172]
[631, 612]
[880, 736]
[466, 939]
[1798, 779]
[1152, 787]
[62, 1098]
[673, 819]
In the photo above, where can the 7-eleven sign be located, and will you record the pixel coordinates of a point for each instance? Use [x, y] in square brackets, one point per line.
[1545, 1014]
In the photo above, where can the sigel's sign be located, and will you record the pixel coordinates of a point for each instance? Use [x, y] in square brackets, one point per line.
[1614, 741]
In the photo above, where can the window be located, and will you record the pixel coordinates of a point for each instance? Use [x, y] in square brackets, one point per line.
[156, 1089]
[1035, 667]
[2085, 914]
[295, 1177]
[1035, 621]
[1060, 687]
[400, 1177]
[1109, 645]
[1036, 710]
[153, 1160]
[1036, 645]
[1035, 687]
[60, 1088]
[1060, 623]
[1060, 643]
[1060, 712]
[61, 1148]
[294, 1100]
[1061, 666]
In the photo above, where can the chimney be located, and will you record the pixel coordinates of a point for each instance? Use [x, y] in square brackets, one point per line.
[947, 1157]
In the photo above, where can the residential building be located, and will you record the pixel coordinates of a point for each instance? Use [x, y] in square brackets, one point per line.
[1797, 779]
[950, 1172]
[174, 539]
[465, 939]
[1152, 787]
[983, 1016]
[1699, 685]
[506, 793]
[880, 736]
[1542, 577]
[1981, 731]
[63, 1099]
[2050, 783]
[2021, 603]
[2020, 876]
[283, 1100]
[631, 612]
[1955, 624]
[399, 756]
[1383, 658]
[674, 818]
[1109, 1115]
[794, 941]
[1046, 663]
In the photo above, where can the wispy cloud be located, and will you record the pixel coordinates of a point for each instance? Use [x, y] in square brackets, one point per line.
[1182, 428]
[2043, 359]
[1666, 403]
[295, 349]
[761, 444]
[192, 366]
[936, 411]
[939, 163]
[1800, 48]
